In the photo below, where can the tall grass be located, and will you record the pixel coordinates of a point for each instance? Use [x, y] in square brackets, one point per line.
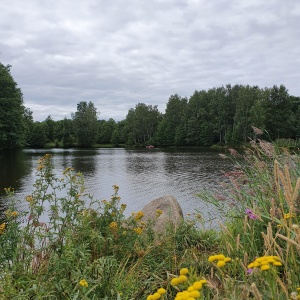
[87, 249]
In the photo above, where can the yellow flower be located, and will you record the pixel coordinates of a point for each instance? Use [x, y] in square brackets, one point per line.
[113, 225]
[175, 281]
[123, 207]
[161, 291]
[221, 263]
[158, 213]
[29, 199]
[221, 259]
[156, 296]
[2, 227]
[197, 285]
[265, 267]
[182, 278]
[184, 271]
[288, 216]
[138, 230]
[83, 283]
[9, 213]
[212, 258]
[195, 294]
[139, 215]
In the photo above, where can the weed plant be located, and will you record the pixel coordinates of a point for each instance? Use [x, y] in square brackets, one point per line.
[88, 249]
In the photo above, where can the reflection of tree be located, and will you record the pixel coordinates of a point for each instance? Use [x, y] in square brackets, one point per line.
[13, 167]
[84, 161]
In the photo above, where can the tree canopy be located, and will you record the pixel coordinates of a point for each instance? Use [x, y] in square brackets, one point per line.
[223, 115]
[12, 126]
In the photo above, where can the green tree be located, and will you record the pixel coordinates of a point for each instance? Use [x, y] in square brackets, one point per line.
[106, 130]
[86, 124]
[12, 127]
[141, 123]
[279, 115]
[38, 135]
[173, 129]
[29, 123]
[50, 129]
[64, 132]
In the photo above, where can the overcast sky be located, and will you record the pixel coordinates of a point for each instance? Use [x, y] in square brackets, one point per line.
[118, 53]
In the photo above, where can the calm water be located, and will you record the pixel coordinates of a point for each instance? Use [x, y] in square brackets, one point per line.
[142, 175]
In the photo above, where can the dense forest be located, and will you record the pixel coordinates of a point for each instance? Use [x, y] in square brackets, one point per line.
[223, 115]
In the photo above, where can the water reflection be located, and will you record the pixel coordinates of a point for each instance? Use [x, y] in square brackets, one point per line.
[142, 175]
[13, 167]
[84, 161]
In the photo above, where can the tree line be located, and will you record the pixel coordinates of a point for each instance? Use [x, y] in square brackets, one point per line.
[222, 115]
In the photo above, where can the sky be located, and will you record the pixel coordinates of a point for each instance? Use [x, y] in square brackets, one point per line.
[120, 53]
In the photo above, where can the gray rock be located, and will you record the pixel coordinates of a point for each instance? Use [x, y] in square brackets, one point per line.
[171, 213]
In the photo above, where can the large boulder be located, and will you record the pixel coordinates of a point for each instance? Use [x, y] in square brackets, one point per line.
[163, 212]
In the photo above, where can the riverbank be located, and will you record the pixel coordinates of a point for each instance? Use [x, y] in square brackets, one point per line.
[96, 252]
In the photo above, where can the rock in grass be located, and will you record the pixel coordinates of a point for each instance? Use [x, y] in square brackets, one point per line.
[163, 211]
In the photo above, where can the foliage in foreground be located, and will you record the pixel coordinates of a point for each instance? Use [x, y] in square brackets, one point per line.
[95, 252]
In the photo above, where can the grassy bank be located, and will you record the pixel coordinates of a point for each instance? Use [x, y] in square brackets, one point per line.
[93, 252]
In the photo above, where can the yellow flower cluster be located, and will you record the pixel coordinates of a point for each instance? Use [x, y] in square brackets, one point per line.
[2, 227]
[83, 283]
[123, 207]
[138, 230]
[158, 212]
[116, 188]
[113, 225]
[138, 215]
[264, 262]
[220, 258]
[157, 295]
[192, 292]
[288, 216]
[11, 214]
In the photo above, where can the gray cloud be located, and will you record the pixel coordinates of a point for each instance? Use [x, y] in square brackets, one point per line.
[120, 53]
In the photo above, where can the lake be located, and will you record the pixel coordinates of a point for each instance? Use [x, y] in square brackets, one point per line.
[142, 175]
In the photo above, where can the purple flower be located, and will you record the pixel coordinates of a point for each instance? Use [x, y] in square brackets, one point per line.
[250, 214]
[249, 271]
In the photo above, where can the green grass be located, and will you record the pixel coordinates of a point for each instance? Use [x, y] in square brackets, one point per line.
[93, 252]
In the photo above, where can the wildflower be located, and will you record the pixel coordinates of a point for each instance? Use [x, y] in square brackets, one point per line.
[161, 291]
[288, 216]
[138, 215]
[158, 212]
[265, 262]
[220, 258]
[184, 271]
[2, 227]
[265, 267]
[138, 230]
[123, 207]
[83, 283]
[221, 263]
[156, 296]
[11, 214]
[182, 278]
[113, 225]
[250, 214]
[175, 281]
[116, 188]
[249, 271]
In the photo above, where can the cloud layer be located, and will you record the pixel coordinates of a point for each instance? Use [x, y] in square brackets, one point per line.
[120, 53]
